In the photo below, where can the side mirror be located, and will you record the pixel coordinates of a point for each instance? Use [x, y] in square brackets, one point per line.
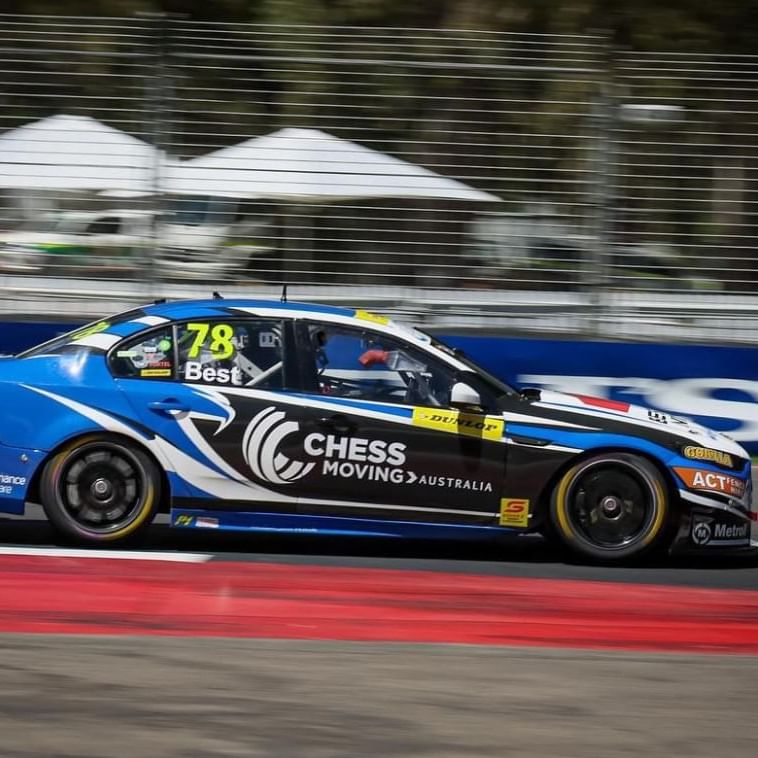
[463, 394]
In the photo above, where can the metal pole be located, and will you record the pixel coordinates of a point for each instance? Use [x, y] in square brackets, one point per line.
[158, 93]
[597, 267]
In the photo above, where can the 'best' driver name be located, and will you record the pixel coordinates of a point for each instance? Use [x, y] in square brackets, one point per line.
[194, 372]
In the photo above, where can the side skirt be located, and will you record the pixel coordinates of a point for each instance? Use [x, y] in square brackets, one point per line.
[241, 521]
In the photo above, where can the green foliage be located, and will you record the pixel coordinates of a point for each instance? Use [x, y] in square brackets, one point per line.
[727, 26]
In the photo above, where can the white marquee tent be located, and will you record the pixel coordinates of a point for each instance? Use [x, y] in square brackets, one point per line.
[308, 165]
[66, 152]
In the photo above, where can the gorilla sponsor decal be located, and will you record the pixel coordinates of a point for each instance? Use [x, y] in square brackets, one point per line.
[706, 454]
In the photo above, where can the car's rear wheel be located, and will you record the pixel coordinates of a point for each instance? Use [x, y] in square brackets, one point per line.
[100, 490]
[611, 507]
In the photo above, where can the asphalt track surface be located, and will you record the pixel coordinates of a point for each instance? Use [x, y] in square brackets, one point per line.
[141, 691]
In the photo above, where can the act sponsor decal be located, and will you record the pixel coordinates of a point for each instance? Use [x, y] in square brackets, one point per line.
[9, 481]
[708, 531]
[698, 479]
[707, 454]
[456, 422]
[514, 511]
[260, 445]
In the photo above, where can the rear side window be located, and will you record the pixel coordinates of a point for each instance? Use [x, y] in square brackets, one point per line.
[149, 356]
[237, 352]
[234, 352]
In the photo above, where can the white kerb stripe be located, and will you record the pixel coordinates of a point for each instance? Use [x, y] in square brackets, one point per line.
[128, 555]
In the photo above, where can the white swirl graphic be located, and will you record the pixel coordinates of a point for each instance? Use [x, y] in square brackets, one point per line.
[260, 446]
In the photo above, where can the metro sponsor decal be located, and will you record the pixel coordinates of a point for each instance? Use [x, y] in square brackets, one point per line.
[456, 422]
[514, 511]
[708, 531]
[698, 479]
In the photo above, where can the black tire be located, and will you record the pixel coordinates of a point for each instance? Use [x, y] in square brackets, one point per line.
[100, 490]
[612, 507]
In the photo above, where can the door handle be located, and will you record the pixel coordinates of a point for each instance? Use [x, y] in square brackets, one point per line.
[170, 406]
[338, 423]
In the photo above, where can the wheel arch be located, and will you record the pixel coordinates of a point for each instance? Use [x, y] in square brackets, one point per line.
[33, 492]
[552, 482]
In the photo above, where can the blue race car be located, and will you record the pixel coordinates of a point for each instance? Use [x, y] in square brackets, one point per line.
[266, 416]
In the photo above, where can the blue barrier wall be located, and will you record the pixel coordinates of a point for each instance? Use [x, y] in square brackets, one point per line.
[717, 386]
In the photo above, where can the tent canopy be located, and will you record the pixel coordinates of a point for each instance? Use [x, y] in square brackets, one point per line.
[308, 165]
[65, 152]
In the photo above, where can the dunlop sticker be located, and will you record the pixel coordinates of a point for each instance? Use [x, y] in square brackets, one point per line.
[366, 316]
[514, 511]
[155, 372]
[470, 424]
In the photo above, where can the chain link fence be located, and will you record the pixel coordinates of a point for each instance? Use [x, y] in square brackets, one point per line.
[461, 178]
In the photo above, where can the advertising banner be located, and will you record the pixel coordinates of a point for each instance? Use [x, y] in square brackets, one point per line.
[715, 386]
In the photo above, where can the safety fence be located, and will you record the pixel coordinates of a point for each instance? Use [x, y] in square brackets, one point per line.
[508, 181]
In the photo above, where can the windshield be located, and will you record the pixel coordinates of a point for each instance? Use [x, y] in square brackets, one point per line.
[498, 385]
[62, 344]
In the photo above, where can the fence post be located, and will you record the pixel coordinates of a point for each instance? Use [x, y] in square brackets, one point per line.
[158, 98]
[602, 198]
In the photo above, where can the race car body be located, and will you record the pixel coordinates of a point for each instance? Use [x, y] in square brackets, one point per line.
[265, 416]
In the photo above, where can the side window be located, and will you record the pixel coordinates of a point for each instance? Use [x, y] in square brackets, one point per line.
[146, 357]
[371, 366]
[108, 225]
[237, 352]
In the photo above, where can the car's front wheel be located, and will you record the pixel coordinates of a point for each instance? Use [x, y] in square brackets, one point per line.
[100, 490]
[611, 507]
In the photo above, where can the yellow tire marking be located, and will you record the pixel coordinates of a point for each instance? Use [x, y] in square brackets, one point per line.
[569, 532]
[560, 499]
[149, 495]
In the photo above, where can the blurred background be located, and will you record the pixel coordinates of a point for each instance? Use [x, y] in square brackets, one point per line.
[527, 166]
